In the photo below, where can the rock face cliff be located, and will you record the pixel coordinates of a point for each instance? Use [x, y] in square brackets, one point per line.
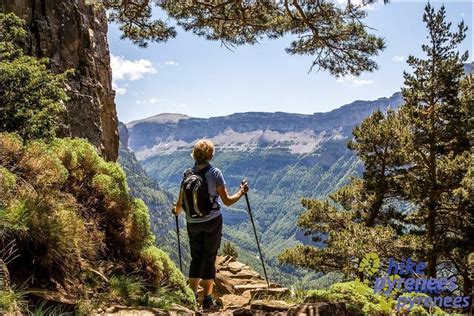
[74, 35]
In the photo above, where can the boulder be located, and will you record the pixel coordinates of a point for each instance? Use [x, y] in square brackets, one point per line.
[223, 261]
[235, 266]
[240, 288]
[224, 285]
[271, 305]
[176, 309]
[234, 301]
[272, 292]
[244, 292]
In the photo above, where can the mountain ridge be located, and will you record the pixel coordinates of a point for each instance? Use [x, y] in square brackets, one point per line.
[298, 133]
[149, 119]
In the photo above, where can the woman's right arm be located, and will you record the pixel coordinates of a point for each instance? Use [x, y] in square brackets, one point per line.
[178, 208]
[227, 199]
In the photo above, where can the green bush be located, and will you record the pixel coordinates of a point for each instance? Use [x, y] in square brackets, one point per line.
[359, 298]
[162, 268]
[11, 301]
[32, 97]
[67, 209]
[229, 250]
[126, 287]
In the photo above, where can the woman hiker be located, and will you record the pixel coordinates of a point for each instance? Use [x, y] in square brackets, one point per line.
[202, 188]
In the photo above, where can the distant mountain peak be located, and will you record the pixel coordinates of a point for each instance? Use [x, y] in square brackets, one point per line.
[161, 118]
[469, 68]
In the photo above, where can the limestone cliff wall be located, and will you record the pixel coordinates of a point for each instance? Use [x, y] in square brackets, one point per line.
[74, 35]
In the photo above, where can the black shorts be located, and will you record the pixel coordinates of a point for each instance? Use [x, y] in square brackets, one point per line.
[204, 241]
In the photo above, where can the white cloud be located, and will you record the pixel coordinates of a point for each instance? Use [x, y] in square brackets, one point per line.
[398, 58]
[171, 63]
[154, 100]
[354, 82]
[360, 3]
[124, 69]
[118, 90]
[128, 70]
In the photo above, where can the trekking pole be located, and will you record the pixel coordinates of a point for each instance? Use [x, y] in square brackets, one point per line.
[256, 237]
[179, 244]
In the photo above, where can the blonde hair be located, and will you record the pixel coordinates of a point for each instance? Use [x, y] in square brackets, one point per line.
[203, 151]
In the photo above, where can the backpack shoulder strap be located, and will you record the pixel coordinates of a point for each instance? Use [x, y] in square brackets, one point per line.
[186, 173]
[204, 170]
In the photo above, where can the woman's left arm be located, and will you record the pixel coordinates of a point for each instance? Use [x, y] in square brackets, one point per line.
[227, 199]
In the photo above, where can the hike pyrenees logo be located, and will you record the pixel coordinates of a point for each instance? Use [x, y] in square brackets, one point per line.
[405, 284]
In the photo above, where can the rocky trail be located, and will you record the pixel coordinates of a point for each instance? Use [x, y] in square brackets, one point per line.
[243, 291]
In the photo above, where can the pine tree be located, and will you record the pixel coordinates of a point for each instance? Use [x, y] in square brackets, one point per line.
[362, 216]
[416, 195]
[334, 34]
[380, 142]
[440, 152]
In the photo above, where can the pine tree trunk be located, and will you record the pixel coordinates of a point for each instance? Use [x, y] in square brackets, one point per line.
[467, 284]
[432, 196]
[430, 227]
[374, 210]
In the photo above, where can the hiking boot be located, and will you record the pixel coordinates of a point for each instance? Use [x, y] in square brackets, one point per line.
[211, 304]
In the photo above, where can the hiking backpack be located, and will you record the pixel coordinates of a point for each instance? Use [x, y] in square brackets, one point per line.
[197, 201]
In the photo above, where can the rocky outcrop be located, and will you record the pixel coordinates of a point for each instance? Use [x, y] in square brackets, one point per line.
[73, 35]
[243, 291]
[123, 133]
[236, 278]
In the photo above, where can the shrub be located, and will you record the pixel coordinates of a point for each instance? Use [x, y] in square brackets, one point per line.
[32, 97]
[67, 209]
[126, 287]
[7, 182]
[229, 250]
[165, 272]
[138, 228]
[11, 301]
[359, 298]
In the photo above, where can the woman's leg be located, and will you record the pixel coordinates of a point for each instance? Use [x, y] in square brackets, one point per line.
[208, 286]
[212, 242]
[194, 284]
[196, 244]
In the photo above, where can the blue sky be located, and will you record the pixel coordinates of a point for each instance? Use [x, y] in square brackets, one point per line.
[200, 78]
